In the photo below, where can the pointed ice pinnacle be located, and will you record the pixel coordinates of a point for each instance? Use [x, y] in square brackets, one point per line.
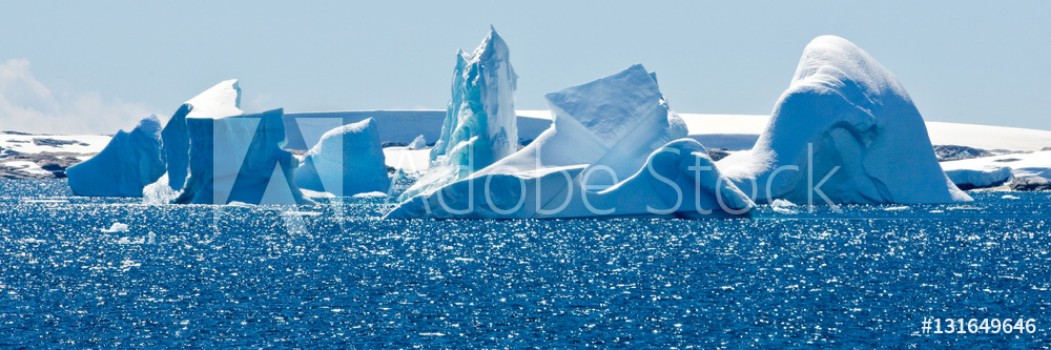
[480, 126]
[618, 126]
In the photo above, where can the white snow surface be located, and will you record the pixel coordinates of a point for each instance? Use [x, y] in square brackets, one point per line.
[85, 145]
[408, 159]
[845, 131]
[219, 101]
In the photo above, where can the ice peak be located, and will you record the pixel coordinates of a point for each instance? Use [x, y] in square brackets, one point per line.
[492, 47]
[219, 101]
[829, 59]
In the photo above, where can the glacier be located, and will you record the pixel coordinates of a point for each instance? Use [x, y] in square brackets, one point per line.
[845, 131]
[346, 161]
[480, 125]
[236, 157]
[614, 149]
[128, 163]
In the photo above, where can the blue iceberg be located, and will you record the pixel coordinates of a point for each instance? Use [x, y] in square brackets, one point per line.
[614, 149]
[347, 160]
[128, 163]
[480, 125]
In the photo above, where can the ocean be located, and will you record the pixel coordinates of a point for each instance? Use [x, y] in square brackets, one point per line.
[93, 272]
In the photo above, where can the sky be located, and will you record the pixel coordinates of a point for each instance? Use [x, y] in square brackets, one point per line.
[95, 67]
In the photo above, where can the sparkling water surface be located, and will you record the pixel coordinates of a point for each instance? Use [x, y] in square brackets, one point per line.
[336, 276]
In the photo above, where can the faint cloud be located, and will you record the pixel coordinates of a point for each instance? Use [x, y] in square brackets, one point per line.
[27, 104]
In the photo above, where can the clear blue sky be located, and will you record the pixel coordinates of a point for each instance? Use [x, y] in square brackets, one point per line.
[964, 61]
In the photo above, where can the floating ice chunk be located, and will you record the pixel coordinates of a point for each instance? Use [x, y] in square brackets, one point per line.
[846, 117]
[480, 126]
[129, 162]
[785, 207]
[159, 192]
[346, 161]
[116, 227]
[370, 195]
[419, 142]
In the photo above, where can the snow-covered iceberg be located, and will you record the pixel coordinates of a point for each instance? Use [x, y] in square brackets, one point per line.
[608, 152]
[845, 131]
[236, 157]
[480, 125]
[128, 163]
[983, 177]
[346, 161]
[1021, 171]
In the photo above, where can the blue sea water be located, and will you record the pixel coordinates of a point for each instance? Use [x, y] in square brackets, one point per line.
[337, 276]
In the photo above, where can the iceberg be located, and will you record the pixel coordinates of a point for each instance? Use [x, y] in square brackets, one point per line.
[236, 157]
[177, 148]
[420, 142]
[480, 125]
[984, 177]
[614, 149]
[845, 131]
[128, 163]
[222, 99]
[1021, 171]
[346, 161]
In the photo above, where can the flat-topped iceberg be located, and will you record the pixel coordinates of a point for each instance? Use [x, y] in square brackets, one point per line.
[129, 162]
[608, 152]
[1020, 171]
[845, 131]
[346, 161]
[480, 125]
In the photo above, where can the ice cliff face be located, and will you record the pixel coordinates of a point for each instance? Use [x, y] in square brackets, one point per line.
[129, 162]
[221, 100]
[236, 157]
[846, 129]
[609, 152]
[177, 148]
[347, 160]
[239, 159]
[480, 125]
